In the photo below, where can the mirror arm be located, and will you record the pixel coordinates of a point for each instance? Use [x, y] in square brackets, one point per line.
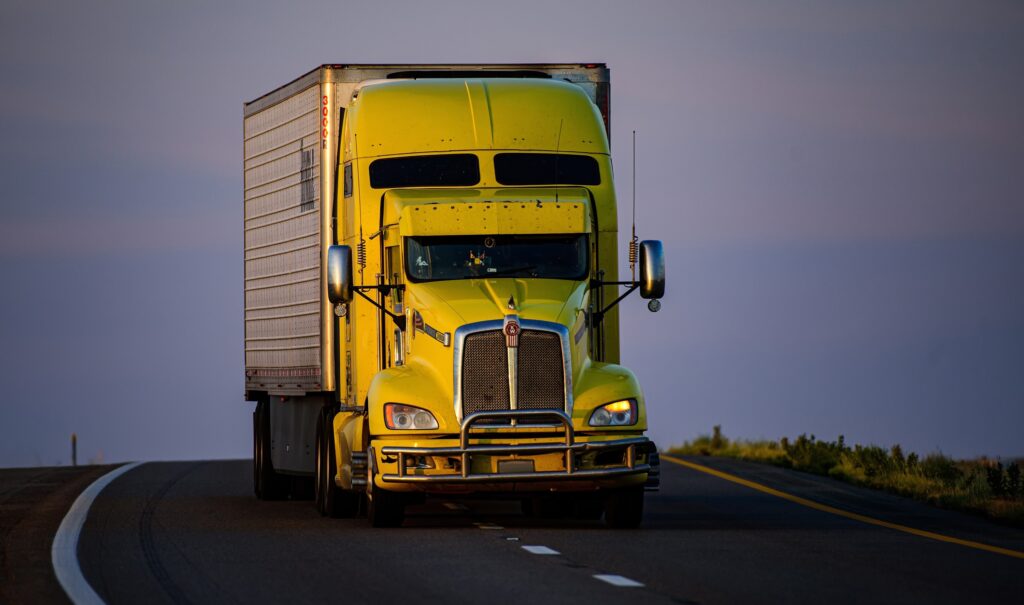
[385, 289]
[398, 319]
[633, 285]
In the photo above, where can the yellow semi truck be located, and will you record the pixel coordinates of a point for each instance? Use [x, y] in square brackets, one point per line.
[431, 280]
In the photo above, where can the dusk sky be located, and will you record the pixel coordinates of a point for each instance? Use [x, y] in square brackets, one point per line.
[839, 186]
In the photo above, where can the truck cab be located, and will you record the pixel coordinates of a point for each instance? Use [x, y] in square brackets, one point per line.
[473, 275]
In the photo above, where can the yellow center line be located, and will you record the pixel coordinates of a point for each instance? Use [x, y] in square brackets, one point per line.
[842, 513]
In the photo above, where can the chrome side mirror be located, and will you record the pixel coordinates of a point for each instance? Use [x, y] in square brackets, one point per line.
[652, 269]
[339, 274]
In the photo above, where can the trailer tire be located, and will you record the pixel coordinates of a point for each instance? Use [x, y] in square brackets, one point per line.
[267, 483]
[624, 508]
[331, 500]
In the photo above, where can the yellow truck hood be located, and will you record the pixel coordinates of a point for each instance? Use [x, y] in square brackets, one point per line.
[457, 302]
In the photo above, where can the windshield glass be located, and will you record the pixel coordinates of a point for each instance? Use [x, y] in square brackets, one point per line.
[490, 256]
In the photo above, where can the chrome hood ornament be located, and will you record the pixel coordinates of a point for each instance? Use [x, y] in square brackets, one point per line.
[511, 330]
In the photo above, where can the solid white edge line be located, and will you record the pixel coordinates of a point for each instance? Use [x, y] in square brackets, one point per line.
[616, 580]
[64, 553]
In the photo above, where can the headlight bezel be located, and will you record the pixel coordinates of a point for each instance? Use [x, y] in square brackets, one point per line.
[404, 417]
[604, 417]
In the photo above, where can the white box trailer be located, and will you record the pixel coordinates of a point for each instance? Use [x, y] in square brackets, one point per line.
[290, 158]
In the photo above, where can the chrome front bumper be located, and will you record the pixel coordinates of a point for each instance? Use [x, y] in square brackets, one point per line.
[569, 448]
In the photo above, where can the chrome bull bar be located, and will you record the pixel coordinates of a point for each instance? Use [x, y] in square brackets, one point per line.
[568, 447]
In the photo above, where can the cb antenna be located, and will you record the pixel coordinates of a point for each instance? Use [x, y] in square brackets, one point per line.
[633, 242]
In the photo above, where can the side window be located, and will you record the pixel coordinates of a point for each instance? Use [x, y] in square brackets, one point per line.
[395, 276]
[348, 180]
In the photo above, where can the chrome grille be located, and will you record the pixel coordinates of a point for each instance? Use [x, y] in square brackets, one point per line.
[541, 382]
[484, 372]
[541, 372]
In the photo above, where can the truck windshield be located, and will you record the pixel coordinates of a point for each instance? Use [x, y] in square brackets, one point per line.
[492, 256]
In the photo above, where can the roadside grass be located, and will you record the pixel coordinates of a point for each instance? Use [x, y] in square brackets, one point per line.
[981, 485]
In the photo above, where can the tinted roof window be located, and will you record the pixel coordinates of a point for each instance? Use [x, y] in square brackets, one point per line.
[457, 170]
[546, 169]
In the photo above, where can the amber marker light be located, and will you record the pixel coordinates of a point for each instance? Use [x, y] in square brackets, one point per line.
[617, 413]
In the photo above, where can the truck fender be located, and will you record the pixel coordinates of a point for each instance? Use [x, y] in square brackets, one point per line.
[600, 383]
[349, 435]
[413, 384]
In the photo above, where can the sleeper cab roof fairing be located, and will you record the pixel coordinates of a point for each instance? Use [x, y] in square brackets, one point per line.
[428, 116]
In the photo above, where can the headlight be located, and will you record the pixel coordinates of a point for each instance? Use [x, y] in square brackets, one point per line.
[618, 413]
[406, 417]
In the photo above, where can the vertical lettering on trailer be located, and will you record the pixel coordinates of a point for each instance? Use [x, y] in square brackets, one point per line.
[324, 110]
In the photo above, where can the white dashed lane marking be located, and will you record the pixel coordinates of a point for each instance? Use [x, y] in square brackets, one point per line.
[540, 550]
[455, 506]
[615, 580]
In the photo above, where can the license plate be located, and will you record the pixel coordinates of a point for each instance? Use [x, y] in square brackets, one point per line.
[515, 466]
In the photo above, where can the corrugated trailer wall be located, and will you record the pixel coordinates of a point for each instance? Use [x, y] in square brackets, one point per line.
[288, 133]
[282, 240]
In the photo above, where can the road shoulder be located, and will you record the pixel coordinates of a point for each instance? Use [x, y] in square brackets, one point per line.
[877, 504]
[33, 502]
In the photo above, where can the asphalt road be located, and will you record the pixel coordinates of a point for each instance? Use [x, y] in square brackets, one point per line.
[191, 532]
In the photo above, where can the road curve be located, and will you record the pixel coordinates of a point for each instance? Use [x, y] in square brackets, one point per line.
[191, 532]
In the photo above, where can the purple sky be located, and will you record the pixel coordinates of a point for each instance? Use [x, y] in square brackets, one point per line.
[840, 188]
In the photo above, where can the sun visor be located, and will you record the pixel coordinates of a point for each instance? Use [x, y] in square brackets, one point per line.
[495, 217]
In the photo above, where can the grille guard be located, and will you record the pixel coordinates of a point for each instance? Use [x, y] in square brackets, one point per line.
[465, 451]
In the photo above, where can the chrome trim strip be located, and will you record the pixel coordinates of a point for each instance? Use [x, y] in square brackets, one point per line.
[399, 354]
[497, 324]
[512, 358]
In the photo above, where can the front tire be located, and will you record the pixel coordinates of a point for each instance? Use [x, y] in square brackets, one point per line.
[387, 509]
[624, 508]
[331, 500]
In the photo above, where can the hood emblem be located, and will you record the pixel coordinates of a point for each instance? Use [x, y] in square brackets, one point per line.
[418, 325]
[511, 330]
[511, 303]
